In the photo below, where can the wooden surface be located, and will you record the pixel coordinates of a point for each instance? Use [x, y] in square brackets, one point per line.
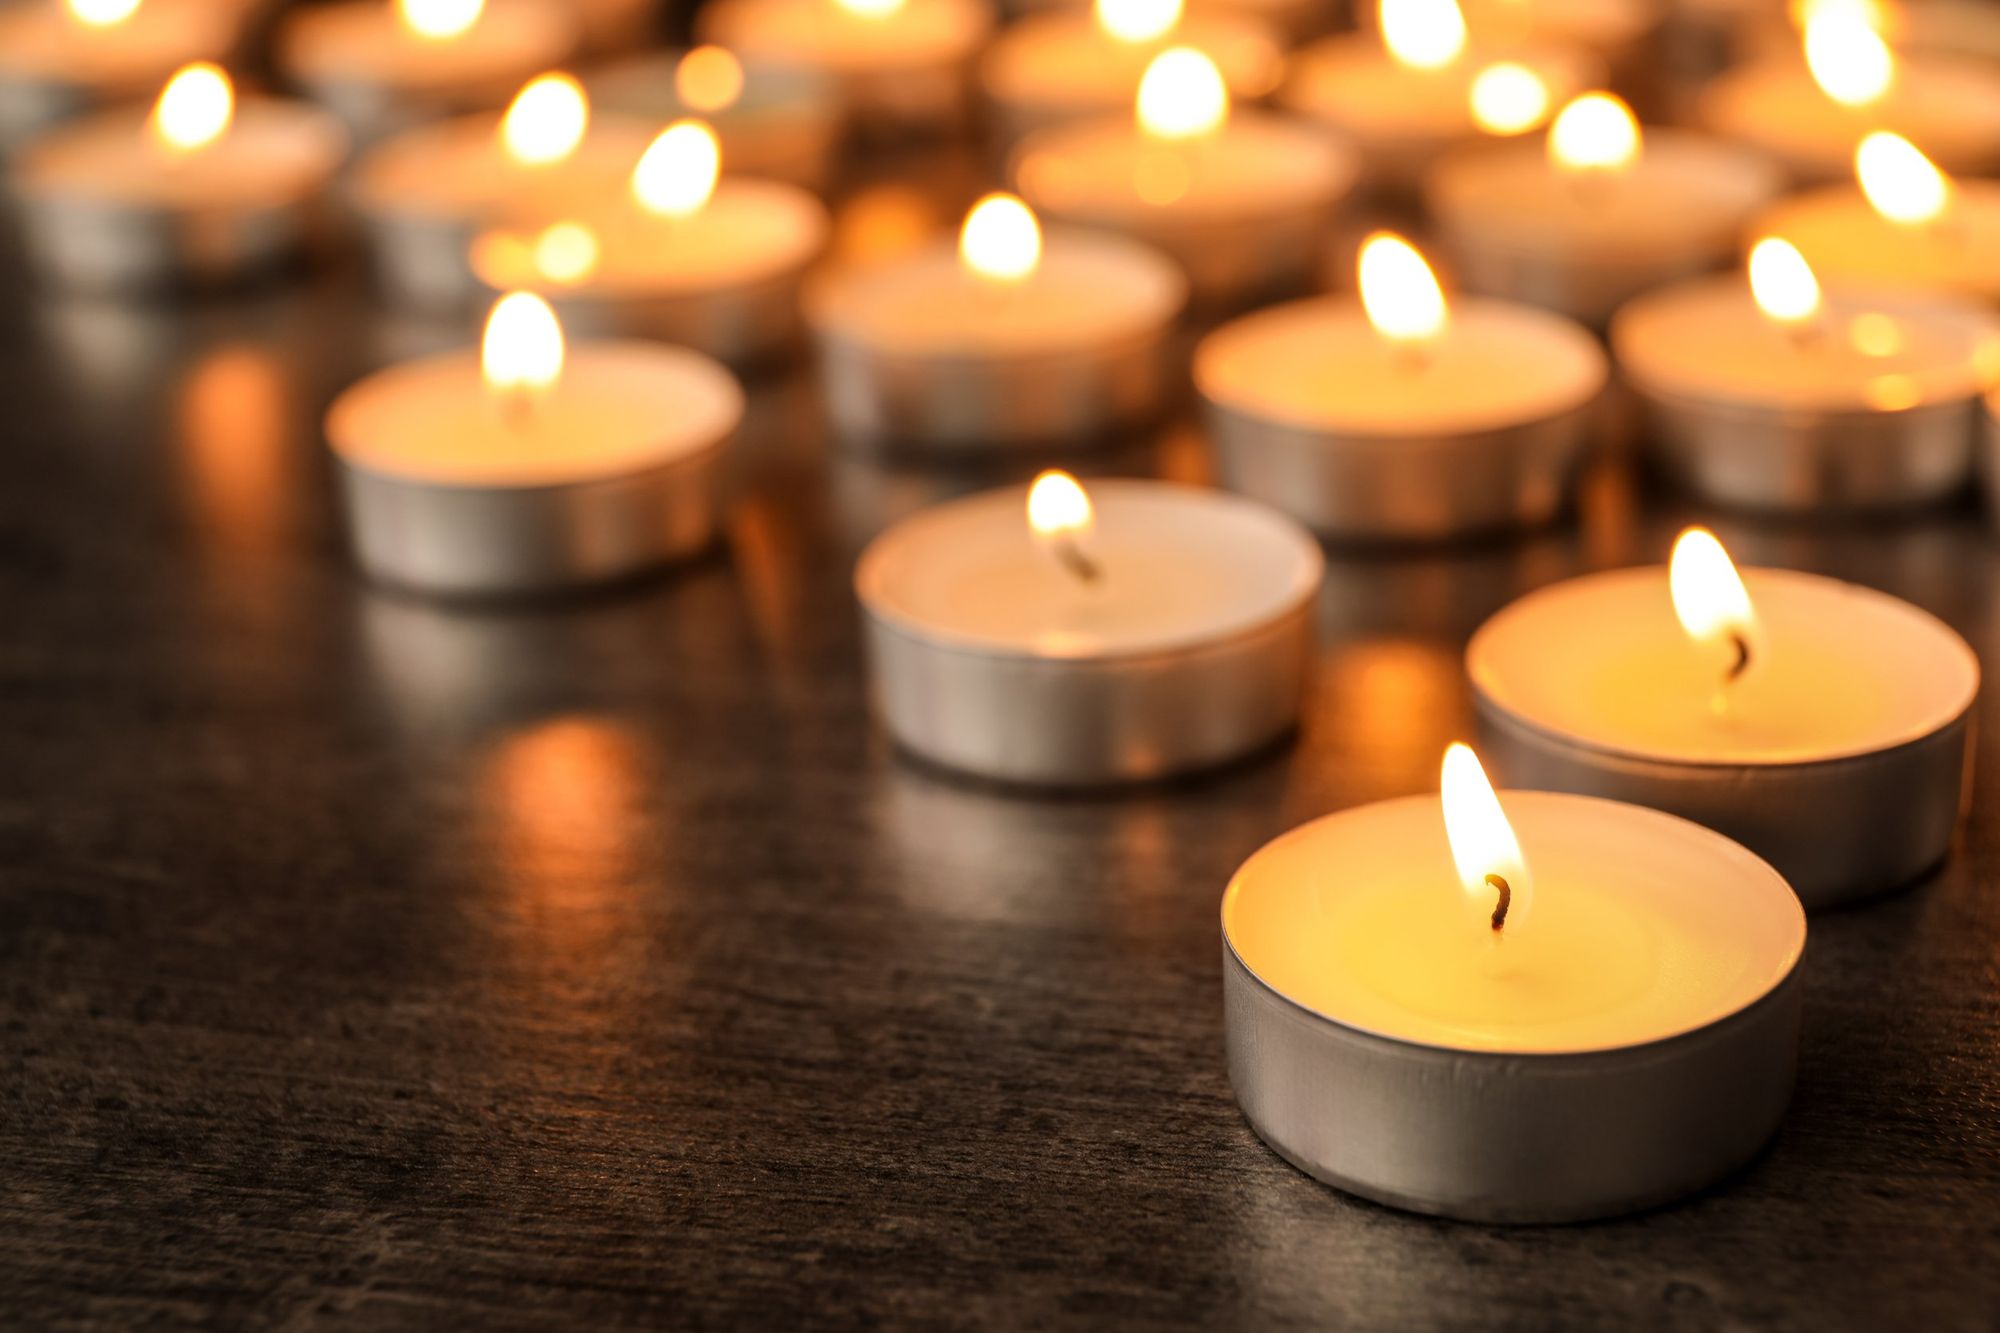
[364, 963]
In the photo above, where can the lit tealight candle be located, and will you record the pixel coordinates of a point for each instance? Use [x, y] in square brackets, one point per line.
[385, 65]
[1823, 725]
[1775, 395]
[1809, 115]
[1597, 213]
[1071, 65]
[1396, 417]
[1907, 224]
[1241, 199]
[1514, 1007]
[680, 255]
[201, 188]
[1412, 90]
[62, 58]
[1058, 638]
[1007, 338]
[423, 195]
[531, 466]
[901, 66]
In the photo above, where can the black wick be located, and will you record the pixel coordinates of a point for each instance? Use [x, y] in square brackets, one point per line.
[1506, 900]
[1742, 664]
[1072, 558]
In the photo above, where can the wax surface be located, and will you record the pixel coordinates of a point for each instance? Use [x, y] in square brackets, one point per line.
[1949, 108]
[1838, 670]
[1847, 241]
[1352, 82]
[40, 41]
[820, 34]
[273, 153]
[1643, 927]
[619, 407]
[1107, 170]
[1066, 63]
[363, 42]
[1687, 195]
[1180, 567]
[458, 168]
[1089, 292]
[1320, 365]
[1603, 26]
[1885, 350]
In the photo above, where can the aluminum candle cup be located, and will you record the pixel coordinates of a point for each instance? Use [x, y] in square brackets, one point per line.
[1846, 241]
[54, 67]
[1190, 646]
[775, 123]
[1362, 440]
[904, 71]
[1584, 242]
[105, 205]
[1839, 755]
[613, 470]
[1872, 408]
[921, 352]
[1634, 1041]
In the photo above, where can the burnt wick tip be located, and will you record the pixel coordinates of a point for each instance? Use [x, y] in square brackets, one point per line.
[1742, 663]
[1077, 563]
[1506, 900]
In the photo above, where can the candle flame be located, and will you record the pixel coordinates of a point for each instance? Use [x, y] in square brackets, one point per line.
[1782, 283]
[1508, 98]
[676, 175]
[1596, 132]
[1182, 95]
[1848, 58]
[195, 108]
[1399, 293]
[1901, 183]
[1423, 34]
[1138, 21]
[545, 121]
[1001, 239]
[1483, 845]
[708, 79]
[439, 20]
[1059, 507]
[1709, 598]
[870, 9]
[523, 346]
[566, 252]
[100, 13]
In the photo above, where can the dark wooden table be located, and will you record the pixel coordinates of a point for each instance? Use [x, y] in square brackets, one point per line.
[369, 963]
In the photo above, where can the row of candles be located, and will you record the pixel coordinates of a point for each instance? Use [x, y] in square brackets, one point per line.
[1559, 1004]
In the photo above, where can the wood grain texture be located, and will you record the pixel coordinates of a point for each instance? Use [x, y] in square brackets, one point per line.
[369, 964]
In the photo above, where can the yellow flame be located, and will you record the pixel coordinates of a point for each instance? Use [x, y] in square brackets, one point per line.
[1848, 58]
[1709, 598]
[708, 79]
[566, 252]
[1059, 508]
[1001, 239]
[439, 20]
[677, 173]
[1782, 283]
[523, 345]
[1399, 293]
[1182, 95]
[545, 121]
[100, 13]
[1423, 34]
[1507, 98]
[195, 108]
[870, 9]
[1138, 21]
[1870, 12]
[1901, 183]
[1482, 841]
[1595, 132]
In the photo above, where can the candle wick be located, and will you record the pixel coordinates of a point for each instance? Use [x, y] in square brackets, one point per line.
[1413, 357]
[1807, 334]
[1742, 662]
[1506, 900]
[1071, 557]
[517, 407]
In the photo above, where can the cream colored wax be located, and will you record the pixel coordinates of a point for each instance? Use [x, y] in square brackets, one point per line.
[1844, 239]
[362, 44]
[41, 43]
[458, 170]
[820, 34]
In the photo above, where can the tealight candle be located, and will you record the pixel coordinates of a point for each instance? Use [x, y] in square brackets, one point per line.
[386, 65]
[1054, 638]
[61, 60]
[1395, 418]
[1906, 225]
[1003, 342]
[199, 189]
[676, 257]
[1407, 94]
[1241, 201]
[902, 66]
[1823, 725]
[1774, 396]
[530, 467]
[773, 122]
[1597, 214]
[1810, 115]
[423, 195]
[1522, 1007]
[1069, 65]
